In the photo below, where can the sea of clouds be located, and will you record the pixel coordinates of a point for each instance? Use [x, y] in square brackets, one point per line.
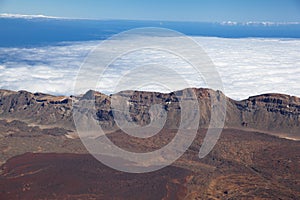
[247, 67]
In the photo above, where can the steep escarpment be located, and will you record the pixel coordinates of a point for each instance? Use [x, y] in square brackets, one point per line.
[276, 113]
[37, 108]
[272, 112]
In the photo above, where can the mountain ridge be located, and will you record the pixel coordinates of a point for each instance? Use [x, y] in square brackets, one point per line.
[276, 113]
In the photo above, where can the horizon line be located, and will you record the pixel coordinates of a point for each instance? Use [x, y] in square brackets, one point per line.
[224, 22]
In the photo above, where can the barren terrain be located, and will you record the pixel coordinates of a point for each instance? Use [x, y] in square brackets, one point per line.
[43, 158]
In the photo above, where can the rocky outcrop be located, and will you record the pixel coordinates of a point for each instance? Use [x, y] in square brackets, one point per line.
[37, 108]
[268, 112]
[271, 112]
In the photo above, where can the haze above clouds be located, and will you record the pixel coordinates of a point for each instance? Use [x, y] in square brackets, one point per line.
[247, 67]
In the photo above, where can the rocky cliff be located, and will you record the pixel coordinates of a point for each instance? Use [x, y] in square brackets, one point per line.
[274, 113]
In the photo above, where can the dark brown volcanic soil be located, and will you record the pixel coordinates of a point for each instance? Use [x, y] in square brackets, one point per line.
[73, 176]
[243, 165]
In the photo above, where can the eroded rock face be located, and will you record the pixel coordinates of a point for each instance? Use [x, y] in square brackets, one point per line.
[269, 112]
[38, 108]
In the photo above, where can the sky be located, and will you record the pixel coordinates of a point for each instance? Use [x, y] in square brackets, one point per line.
[166, 10]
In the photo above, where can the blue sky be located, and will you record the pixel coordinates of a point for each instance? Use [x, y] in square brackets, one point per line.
[173, 10]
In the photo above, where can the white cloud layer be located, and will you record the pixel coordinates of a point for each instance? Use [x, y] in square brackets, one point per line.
[9, 15]
[255, 66]
[247, 67]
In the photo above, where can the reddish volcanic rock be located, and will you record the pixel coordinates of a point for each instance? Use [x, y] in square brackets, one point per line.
[75, 176]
